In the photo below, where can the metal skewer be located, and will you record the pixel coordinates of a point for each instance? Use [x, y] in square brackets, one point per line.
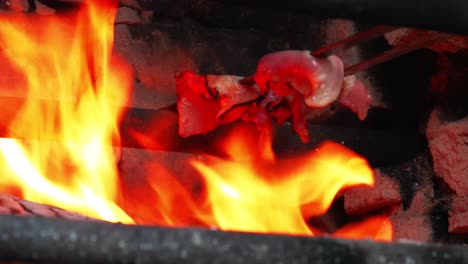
[358, 39]
[396, 52]
[364, 36]
[354, 40]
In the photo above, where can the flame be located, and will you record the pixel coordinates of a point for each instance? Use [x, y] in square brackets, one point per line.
[69, 161]
[252, 194]
[377, 227]
[253, 191]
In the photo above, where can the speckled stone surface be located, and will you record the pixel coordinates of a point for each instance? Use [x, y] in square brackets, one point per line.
[65, 241]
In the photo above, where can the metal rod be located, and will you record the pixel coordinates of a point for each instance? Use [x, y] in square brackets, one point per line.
[44, 240]
[396, 52]
[447, 16]
[354, 40]
[362, 37]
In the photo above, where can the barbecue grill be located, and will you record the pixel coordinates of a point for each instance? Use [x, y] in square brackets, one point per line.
[160, 38]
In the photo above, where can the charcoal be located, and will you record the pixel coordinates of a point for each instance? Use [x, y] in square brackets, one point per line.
[405, 193]
[458, 215]
[363, 199]
[448, 141]
[414, 223]
[416, 228]
[458, 223]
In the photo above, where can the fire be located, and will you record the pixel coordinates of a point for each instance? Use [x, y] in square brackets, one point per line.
[75, 90]
[258, 193]
[69, 161]
[253, 191]
[378, 227]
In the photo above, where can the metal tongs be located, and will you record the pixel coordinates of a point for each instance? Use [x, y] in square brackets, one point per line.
[358, 39]
[365, 36]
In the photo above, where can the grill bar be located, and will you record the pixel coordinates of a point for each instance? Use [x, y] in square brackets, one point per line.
[64, 241]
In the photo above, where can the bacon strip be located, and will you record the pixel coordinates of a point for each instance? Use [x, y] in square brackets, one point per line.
[318, 80]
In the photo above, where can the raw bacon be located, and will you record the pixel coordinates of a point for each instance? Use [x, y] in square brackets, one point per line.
[355, 96]
[318, 80]
[230, 92]
[203, 100]
[197, 109]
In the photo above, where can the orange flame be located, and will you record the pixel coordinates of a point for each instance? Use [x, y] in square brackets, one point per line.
[249, 194]
[376, 227]
[254, 191]
[68, 61]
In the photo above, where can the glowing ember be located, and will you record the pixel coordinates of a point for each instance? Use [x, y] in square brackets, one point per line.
[68, 60]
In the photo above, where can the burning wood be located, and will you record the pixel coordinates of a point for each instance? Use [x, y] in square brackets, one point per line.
[289, 85]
